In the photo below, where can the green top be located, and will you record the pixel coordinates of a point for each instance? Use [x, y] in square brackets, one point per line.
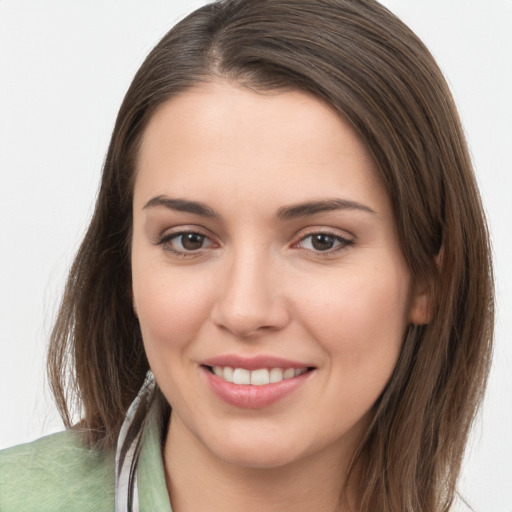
[58, 473]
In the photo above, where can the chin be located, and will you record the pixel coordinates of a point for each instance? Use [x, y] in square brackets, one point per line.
[257, 457]
[256, 450]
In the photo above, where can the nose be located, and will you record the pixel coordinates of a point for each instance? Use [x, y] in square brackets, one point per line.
[250, 299]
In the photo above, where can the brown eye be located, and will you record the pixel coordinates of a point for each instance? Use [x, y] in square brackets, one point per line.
[191, 241]
[185, 243]
[322, 242]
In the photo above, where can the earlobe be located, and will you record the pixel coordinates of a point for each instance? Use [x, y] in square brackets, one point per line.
[420, 312]
[422, 304]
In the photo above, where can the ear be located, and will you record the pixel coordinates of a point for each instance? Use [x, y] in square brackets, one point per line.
[420, 311]
[422, 307]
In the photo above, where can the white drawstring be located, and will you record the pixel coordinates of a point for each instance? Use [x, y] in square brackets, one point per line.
[129, 444]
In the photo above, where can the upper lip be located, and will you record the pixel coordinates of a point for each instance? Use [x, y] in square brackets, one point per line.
[253, 363]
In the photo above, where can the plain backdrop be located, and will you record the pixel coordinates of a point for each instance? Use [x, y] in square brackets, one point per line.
[64, 68]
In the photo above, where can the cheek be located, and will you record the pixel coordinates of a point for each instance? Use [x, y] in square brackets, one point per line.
[171, 306]
[360, 321]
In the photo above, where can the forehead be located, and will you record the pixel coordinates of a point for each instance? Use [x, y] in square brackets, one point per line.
[233, 139]
[221, 111]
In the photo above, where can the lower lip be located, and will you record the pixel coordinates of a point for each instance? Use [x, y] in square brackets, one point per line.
[248, 396]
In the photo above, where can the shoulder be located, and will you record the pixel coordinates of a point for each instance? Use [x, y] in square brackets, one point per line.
[54, 473]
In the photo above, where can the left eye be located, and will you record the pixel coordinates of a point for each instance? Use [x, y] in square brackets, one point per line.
[188, 241]
[323, 242]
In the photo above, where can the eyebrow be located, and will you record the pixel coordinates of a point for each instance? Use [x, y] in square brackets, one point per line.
[325, 205]
[285, 213]
[182, 205]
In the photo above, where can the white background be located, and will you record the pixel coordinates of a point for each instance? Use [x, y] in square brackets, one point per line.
[64, 68]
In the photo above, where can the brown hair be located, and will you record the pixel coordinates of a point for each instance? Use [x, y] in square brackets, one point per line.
[367, 65]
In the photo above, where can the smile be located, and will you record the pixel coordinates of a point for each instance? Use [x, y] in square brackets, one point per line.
[254, 383]
[258, 377]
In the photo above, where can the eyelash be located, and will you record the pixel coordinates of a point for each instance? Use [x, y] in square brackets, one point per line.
[343, 243]
[165, 240]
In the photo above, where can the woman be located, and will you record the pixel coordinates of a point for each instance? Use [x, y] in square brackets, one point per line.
[285, 233]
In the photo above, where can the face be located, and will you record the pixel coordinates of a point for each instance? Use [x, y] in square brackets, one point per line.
[268, 280]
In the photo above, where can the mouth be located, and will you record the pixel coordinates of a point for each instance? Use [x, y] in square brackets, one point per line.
[255, 383]
[256, 377]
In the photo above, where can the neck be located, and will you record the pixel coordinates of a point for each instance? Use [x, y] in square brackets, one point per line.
[199, 480]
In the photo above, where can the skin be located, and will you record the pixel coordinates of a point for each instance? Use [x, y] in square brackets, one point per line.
[258, 285]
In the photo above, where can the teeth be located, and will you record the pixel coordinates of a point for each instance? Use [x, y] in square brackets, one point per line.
[276, 375]
[289, 373]
[258, 377]
[241, 376]
[228, 374]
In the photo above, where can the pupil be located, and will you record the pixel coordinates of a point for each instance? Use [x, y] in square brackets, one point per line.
[322, 242]
[192, 241]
